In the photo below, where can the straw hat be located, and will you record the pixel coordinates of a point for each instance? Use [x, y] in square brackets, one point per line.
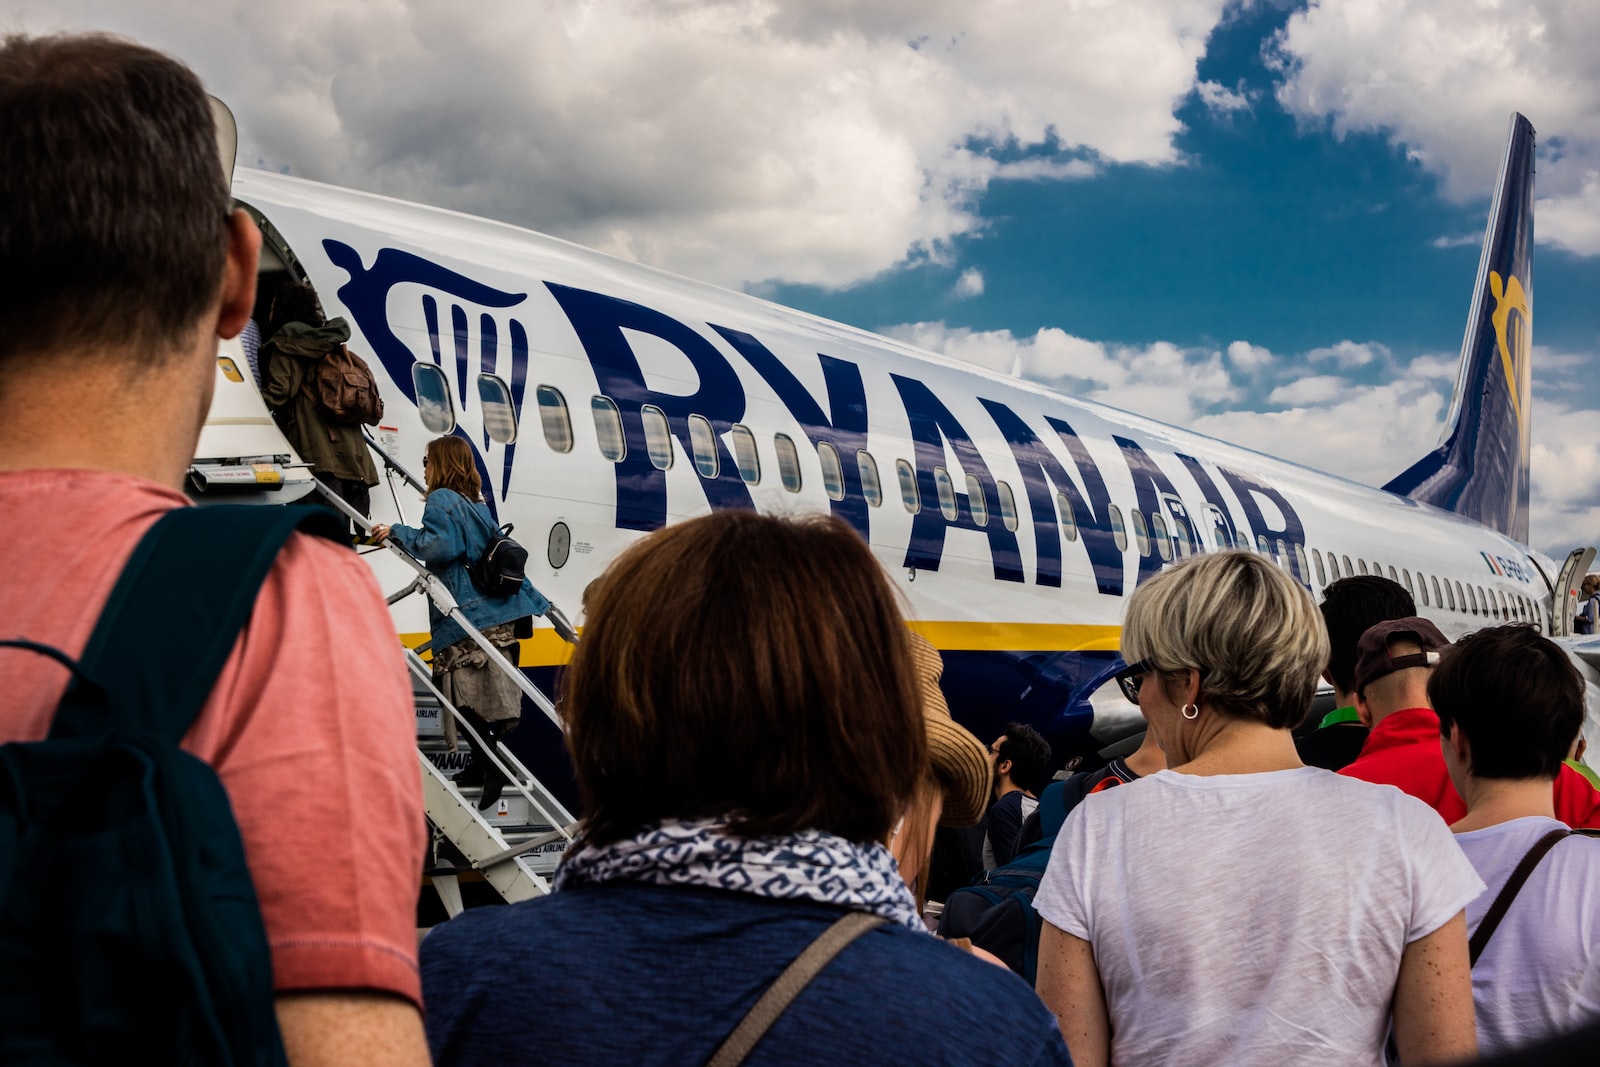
[960, 760]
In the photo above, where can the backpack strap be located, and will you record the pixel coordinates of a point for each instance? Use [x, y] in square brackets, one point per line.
[176, 612]
[795, 977]
[1497, 910]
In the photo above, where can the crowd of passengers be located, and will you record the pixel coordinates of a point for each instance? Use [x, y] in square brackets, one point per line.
[764, 756]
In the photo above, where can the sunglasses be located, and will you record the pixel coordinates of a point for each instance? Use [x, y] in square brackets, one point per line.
[1131, 677]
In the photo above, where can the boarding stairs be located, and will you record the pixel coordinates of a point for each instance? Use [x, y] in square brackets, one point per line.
[517, 844]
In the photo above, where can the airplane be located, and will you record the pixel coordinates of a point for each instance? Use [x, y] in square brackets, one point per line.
[604, 399]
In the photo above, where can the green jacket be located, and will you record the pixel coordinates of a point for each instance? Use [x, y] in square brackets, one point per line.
[288, 360]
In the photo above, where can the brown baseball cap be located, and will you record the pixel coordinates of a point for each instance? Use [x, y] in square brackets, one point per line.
[1373, 660]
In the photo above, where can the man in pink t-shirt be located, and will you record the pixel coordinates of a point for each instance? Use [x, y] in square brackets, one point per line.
[122, 264]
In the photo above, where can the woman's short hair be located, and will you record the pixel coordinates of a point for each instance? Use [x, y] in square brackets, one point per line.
[1249, 629]
[748, 667]
[450, 466]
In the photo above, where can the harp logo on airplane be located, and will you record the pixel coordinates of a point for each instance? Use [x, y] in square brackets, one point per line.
[1513, 333]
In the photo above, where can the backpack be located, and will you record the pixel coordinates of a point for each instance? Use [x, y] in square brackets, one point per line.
[502, 568]
[344, 388]
[996, 912]
[129, 926]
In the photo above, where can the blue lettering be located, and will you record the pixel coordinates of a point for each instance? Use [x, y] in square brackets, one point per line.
[1040, 471]
[847, 400]
[1292, 532]
[932, 425]
[1149, 483]
[599, 321]
[1213, 496]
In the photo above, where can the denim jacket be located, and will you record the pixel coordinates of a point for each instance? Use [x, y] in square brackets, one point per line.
[455, 531]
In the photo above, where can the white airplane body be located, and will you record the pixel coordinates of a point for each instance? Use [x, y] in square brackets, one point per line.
[605, 399]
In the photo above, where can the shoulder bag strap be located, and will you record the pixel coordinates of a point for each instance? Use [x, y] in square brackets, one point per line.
[1497, 910]
[176, 612]
[753, 1027]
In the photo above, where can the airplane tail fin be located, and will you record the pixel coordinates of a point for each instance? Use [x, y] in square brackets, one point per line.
[1480, 468]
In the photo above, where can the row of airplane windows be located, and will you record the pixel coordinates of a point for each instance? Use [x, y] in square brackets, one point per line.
[1152, 534]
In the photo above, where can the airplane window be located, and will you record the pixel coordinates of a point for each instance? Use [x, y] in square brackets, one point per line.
[1505, 609]
[1119, 536]
[607, 428]
[433, 398]
[947, 493]
[788, 462]
[1349, 571]
[1406, 575]
[832, 471]
[909, 496]
[1438, 601]
[499, 417]
[1261, 544]
[703, 442]
[1363, 565]
[1300, 561]
[1333, 566]
[1322, 575]
[1008, 506]
[657, 436]
[871, 488]
[1422, 588]
[1158, 534]
[977, 501]
[1141, 536]
[553, 418]
[1069, 521]
[1282, 554]
[744, 454]
[1485, 601]
[1461, 596]
[1393, 577]
[1219, 534]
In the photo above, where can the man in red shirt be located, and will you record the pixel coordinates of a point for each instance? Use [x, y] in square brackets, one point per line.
[122, 263]
[1393, 662]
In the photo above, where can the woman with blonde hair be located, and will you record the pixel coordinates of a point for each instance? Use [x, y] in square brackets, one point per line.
[1242, 908]
[746, 730]
[456, 528]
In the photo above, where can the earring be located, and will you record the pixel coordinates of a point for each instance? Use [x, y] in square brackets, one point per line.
[1190, 711]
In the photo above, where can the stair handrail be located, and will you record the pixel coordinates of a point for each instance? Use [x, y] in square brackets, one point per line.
[505, 761]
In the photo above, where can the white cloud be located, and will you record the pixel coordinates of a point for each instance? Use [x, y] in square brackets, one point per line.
[1466, 239]
[1440, 77]
[1220, 99]
[817, 141]
[1316, 389]
[1572, 222]
[969, 284]
[1248, 357]
[1348, 354]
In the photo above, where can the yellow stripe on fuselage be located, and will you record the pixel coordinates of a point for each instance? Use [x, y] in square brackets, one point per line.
[546, 649]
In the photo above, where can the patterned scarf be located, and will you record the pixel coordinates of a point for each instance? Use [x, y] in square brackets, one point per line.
[810, 865]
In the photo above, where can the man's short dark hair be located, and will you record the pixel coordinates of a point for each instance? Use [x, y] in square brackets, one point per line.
[113, 202]
[1350, 607]
[1029, 754]
[1517, 697]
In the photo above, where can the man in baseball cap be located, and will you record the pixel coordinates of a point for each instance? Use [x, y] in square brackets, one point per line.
[1393, 661]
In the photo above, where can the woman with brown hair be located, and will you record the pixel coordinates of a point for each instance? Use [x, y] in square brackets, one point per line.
[746, 729]
[456, 528]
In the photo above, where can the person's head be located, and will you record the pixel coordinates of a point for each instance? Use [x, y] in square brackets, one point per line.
[749, 668]
[1226, 633]
[1351, 606]
[295, 302]
[1021, 758]
[1393, 662]
[1591, 582]
[115, 208]
[447, 464]
[1516, 699]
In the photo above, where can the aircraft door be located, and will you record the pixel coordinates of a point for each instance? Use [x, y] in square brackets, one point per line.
[1565, 604]
[1185, 536]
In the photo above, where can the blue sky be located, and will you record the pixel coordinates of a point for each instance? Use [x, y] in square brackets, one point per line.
[1259, 218]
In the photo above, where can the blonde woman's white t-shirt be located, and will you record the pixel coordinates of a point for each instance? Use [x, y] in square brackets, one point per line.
[1252, 918]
